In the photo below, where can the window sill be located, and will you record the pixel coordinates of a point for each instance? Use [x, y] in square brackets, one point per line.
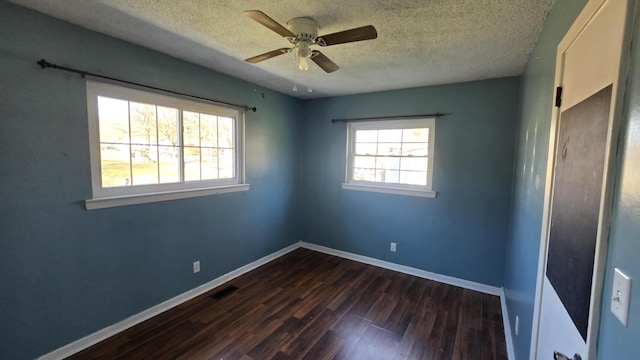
[389, 190]
[113, 201]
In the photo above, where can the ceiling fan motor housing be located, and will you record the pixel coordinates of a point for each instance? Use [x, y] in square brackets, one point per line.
[305, 28]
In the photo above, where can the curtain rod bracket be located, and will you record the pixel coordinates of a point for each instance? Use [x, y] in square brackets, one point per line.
[45, 64]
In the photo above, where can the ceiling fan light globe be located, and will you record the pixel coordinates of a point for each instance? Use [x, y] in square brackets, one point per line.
[303, 64]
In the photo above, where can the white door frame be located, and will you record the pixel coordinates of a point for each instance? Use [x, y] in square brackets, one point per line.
[609, 176]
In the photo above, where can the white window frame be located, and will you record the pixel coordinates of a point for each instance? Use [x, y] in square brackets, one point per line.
[104, 197]
[389, 188]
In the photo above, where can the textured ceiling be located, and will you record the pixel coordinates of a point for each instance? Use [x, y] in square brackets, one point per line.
[420, 42]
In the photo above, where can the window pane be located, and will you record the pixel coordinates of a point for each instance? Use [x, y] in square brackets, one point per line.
[415, 135]
[143, 124]
[191, 128]
[388, 149]
[387, 176]
[208, 130]
[115, 165]
[414, 164]
[113, 115]
[364, 174]
[169, 164]
[191, 163]
[168, 126]
[144, 167]
[226, 163]
[393, 135]
[225, 132]
[366, 136]
[415, 149]
[366, 148]
[209, 163]
[413, 177]
[388, 163]
[364, 162]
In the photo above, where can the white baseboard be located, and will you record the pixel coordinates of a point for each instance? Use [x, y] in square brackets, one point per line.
[507, 327]
[114, 329]
[471, 285]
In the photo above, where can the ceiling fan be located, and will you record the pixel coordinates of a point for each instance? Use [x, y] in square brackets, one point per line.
[302, 33]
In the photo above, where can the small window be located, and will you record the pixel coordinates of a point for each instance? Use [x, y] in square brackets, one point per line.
[148, 147]
[394, 156]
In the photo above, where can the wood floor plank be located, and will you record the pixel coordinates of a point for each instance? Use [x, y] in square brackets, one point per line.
[376, 343]
[326, 348]
[309, 305]
[316, 327]
[350, 328]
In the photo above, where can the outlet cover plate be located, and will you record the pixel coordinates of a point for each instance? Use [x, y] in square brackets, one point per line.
[620, 295]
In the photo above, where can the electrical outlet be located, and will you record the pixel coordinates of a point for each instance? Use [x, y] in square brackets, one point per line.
[517, 325]
[393, 247]
[196, 266]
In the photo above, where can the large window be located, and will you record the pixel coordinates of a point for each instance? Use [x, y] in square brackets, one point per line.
[150, 147]
[394, 156]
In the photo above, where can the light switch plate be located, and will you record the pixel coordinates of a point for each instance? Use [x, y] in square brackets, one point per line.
[620, 295]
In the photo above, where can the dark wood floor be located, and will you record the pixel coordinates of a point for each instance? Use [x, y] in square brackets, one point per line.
[309, 305]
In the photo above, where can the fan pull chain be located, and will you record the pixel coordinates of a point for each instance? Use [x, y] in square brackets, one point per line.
[295, 79]
[295, 82]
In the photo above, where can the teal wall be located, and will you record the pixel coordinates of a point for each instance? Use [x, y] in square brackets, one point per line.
[66, 272]
[460, 233]
[615, 341]
[521, 265]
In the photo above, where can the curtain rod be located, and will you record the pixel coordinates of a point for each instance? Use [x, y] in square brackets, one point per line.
[45, 64]
[388, 117]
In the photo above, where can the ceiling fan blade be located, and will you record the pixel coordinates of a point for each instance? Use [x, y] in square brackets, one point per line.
[267, 55]
[324, 62]
[265, 20]
[358, 34]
